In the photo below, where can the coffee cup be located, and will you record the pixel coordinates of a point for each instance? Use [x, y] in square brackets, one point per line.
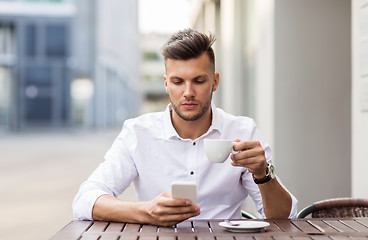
[218, 150]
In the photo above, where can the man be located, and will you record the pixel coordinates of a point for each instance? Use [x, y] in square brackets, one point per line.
[157, 149]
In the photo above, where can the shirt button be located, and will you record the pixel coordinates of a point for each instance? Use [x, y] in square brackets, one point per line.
[194, 143]
[191, 173]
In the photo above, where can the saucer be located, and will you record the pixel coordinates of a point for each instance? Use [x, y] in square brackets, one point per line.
[245, 226]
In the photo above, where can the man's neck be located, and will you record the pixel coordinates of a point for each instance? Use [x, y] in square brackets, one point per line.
[191, 129]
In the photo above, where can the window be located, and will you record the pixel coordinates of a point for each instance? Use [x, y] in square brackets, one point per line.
[7, 39]
[56, 41]
[38, 109]
[30, 43]
[38, 75]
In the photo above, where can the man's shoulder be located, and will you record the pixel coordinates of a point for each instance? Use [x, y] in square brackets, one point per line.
[147, 119]
[229, 118]
[144, 121]
[236, 126]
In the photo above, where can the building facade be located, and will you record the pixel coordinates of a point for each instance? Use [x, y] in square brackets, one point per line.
[117, 90]
[152, 70]
[287, 64]
[67, 63]
[359, 98]
[35, 77]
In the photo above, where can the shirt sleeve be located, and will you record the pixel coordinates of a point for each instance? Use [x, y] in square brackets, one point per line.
[253, 189]
[255, 194]
[111, 177]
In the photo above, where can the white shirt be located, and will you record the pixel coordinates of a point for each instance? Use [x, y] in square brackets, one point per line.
[150, 153]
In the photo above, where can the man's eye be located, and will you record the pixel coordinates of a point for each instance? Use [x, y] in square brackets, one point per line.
[200, 81]
[177, 82]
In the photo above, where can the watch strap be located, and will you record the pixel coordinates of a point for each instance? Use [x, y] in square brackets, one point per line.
[265, 179]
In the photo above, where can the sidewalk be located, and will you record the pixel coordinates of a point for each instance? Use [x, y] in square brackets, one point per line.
[39, 175]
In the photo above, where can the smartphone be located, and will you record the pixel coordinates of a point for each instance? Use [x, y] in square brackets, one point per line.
[186, 190]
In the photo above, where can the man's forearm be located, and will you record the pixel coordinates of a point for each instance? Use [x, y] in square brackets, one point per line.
[276, 200]
[163, 210]
[110, 208]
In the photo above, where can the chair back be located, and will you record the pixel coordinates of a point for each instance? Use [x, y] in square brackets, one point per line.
[337, 208]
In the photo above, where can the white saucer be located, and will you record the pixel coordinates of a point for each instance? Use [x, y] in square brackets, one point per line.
[245, 226]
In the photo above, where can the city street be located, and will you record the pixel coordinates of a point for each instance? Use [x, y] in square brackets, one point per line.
[40, 172]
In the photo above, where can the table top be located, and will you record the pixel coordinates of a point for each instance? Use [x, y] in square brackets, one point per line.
[300, 229]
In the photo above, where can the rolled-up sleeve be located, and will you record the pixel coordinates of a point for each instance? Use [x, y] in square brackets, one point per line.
[85, 200]
[294, 209]
[111, 177]
[253, 189]
[255, 194]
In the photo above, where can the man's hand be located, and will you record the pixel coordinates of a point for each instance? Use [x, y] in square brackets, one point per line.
[166, 211]
[162, 210]
[276, 200]
[251, 156]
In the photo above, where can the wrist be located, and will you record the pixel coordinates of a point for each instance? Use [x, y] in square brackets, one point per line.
[133, 212]
[143, 212]
[263, 178]
[261, 173]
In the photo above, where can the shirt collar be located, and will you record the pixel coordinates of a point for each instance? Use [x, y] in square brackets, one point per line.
[170, 132]
[216, 120]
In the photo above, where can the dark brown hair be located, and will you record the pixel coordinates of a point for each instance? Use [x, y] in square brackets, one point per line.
[187, 44]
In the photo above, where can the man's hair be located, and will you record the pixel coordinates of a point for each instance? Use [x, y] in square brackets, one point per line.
[187, 44]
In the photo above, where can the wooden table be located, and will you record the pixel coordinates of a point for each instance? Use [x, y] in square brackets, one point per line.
[300, 229]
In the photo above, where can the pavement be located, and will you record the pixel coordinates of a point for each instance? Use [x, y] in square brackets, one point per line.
[40, 173]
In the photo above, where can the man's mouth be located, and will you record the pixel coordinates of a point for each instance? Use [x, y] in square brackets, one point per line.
[189, 105]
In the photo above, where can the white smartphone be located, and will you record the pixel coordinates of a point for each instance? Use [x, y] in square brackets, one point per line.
[186, 190]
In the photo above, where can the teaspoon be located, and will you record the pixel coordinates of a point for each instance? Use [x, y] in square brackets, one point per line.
[231, 223]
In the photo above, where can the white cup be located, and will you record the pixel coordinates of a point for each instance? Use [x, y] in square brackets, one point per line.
[218, 150]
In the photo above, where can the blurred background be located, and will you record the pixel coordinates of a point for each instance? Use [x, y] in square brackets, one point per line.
[72, 71]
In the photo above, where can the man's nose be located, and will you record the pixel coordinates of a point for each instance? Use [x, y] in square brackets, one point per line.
[188, 92]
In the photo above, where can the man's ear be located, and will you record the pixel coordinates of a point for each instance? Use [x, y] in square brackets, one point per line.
[216, 81]
[165, 79]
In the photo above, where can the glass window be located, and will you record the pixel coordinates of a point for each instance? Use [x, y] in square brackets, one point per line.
[30, 41]
[65, 76]
[38, 109]
[38, 75]
[5, 96]
[56, 41]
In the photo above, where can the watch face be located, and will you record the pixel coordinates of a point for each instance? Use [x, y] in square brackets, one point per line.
[272, 171]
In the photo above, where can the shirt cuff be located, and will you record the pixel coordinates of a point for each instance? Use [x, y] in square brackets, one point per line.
[294, 210]
[83, 204]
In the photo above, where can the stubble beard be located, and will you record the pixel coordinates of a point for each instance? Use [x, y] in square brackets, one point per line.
[204, 109]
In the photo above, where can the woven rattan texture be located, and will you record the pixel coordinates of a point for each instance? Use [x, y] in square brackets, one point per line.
[341, 212]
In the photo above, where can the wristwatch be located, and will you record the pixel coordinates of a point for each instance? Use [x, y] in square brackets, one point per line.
[270, 174]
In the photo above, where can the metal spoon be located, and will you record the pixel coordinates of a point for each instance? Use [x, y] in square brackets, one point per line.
[231, 223]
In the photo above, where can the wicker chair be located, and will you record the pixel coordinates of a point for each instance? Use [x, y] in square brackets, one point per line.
[336, 208]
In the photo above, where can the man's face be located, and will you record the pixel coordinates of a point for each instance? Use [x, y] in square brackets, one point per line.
[190, 84]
